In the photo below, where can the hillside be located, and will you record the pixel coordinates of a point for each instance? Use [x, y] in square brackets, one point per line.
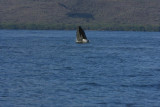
[92, 14]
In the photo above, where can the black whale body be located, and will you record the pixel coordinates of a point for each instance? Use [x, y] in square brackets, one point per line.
[81, 36]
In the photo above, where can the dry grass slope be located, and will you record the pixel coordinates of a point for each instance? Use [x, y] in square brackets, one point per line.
[80, 12]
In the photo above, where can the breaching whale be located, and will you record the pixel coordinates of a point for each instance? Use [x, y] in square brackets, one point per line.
[81, 36]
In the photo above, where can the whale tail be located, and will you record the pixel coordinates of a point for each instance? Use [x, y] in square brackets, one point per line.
[81, 36]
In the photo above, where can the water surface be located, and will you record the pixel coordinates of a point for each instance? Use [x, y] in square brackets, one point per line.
[47, 69]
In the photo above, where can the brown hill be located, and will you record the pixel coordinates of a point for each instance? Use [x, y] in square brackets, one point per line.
[81, 12]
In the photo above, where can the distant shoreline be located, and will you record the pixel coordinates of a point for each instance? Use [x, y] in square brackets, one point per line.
[105, 27]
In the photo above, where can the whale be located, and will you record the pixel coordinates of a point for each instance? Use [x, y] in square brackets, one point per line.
[81, 36]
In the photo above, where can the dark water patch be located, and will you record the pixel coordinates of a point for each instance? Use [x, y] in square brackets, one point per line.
[5, 47]
[93, 84]
[158, 69]
[148, 86]
[154, 69]
[157, 86]
[102, 103]
[68, 68]
[84, 89]
[118, 104]
[58, 69]
[139, 75]
[4, 93]
[132, 75]
[130, 105]
[126, 48]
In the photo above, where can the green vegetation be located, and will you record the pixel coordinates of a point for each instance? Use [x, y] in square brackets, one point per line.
[86, 27]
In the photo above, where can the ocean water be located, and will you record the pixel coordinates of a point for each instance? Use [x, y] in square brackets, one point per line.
[48, 69]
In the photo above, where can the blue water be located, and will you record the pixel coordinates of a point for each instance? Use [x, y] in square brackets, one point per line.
[48, 69]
